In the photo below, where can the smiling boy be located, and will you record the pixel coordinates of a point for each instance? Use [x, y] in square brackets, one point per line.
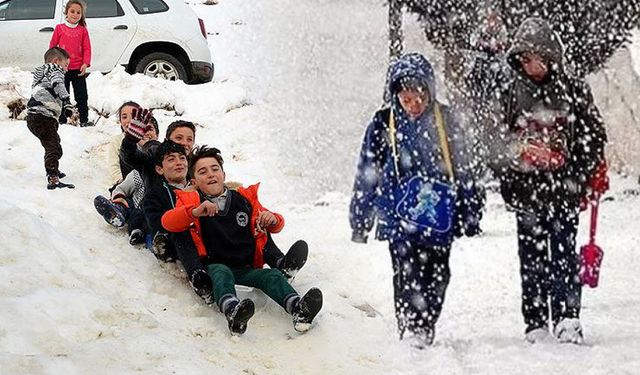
[229, 229]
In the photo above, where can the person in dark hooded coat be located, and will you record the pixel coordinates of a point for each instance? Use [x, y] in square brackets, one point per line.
[416, 137]
[548, 153]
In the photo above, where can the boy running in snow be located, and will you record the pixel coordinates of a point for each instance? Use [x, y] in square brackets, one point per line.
[416, 140]
[230, 229]
[49, 98]
[548, 154]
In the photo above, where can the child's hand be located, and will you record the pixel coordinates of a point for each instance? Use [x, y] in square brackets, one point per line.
[206, 208]
[138, 124]
[121, 201]
[83, 70]
[265, 220]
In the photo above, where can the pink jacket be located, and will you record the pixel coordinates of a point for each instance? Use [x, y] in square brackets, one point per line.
[75, 40]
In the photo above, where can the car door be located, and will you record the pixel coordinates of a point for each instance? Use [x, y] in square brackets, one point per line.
[111, 26]
[26, 27]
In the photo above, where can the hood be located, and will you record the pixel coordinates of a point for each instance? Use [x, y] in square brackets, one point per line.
[536, 35]
[410, 65]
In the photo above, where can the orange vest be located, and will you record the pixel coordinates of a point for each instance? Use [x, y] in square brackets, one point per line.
[181, 218]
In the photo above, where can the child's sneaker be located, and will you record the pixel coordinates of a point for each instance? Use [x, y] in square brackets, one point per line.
[239, 315]
[162, 247]
[306, 309]
[111, 212]
[136, 237]
[53, 182]
[538, 335]
[569, 330]
[294, 260]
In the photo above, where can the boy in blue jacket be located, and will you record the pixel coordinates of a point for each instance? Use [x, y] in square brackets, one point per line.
[414, 177]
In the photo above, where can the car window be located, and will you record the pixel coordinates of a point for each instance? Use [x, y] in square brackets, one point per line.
[149, 6]
[27, 10]
[103, 8]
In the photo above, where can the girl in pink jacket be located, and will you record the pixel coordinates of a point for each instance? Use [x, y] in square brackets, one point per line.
[72, 35]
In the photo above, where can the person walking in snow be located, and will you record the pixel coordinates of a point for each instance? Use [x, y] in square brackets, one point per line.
[548, 153]
[414, 177]
[72, 35]
[48, 100]
[230, 229]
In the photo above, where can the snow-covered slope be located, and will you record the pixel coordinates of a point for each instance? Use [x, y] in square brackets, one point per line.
[75, 298]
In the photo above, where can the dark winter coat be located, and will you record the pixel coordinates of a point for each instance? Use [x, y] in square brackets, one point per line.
[143, 160]
[561, 102]
[419, 153]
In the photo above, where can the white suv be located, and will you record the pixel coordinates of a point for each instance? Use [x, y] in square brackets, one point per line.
[160, 38]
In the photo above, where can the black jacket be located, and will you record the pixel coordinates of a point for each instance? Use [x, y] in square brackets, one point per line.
[561, 100]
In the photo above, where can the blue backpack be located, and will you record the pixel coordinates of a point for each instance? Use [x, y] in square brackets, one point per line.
[423, 206]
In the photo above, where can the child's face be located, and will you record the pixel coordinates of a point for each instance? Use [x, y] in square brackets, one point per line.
[125, 116]
[413, 102]
[209, 176]
[74, 13]
[174, 167]
[63, 63]
[150, 134]
[534, 66]
[183, 136]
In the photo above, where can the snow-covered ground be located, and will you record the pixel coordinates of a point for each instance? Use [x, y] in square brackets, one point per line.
[292, 93]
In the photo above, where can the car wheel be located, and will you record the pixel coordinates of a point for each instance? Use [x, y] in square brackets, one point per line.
[162, 65]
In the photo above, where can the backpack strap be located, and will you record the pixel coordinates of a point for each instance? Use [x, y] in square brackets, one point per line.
[442, 135]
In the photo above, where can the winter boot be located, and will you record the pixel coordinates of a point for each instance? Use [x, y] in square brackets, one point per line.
[111, 212]
[537, 335]
[569, 330]
[294, 260]
[203, 286]
[87, 124]
[162, 247]
[61, 174]
[238, 315]
[136, 237]
[53, 182]
[306, 309]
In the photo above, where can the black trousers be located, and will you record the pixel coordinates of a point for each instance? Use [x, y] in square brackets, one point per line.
[549, 268]
[420, 278]
[46, 129]
[79, 83]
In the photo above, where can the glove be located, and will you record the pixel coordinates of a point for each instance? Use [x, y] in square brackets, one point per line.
[201, 283]
[139, 123]
[359, 237]
[599, 181]
[67, 109]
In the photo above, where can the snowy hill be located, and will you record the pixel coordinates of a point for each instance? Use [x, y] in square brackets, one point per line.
[76, 298]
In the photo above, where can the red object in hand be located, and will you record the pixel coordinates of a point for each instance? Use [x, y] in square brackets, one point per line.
[591, 254]
[541, 157]
[599, 182]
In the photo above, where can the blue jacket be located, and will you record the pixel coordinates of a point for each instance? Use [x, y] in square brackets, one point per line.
[418, 147]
